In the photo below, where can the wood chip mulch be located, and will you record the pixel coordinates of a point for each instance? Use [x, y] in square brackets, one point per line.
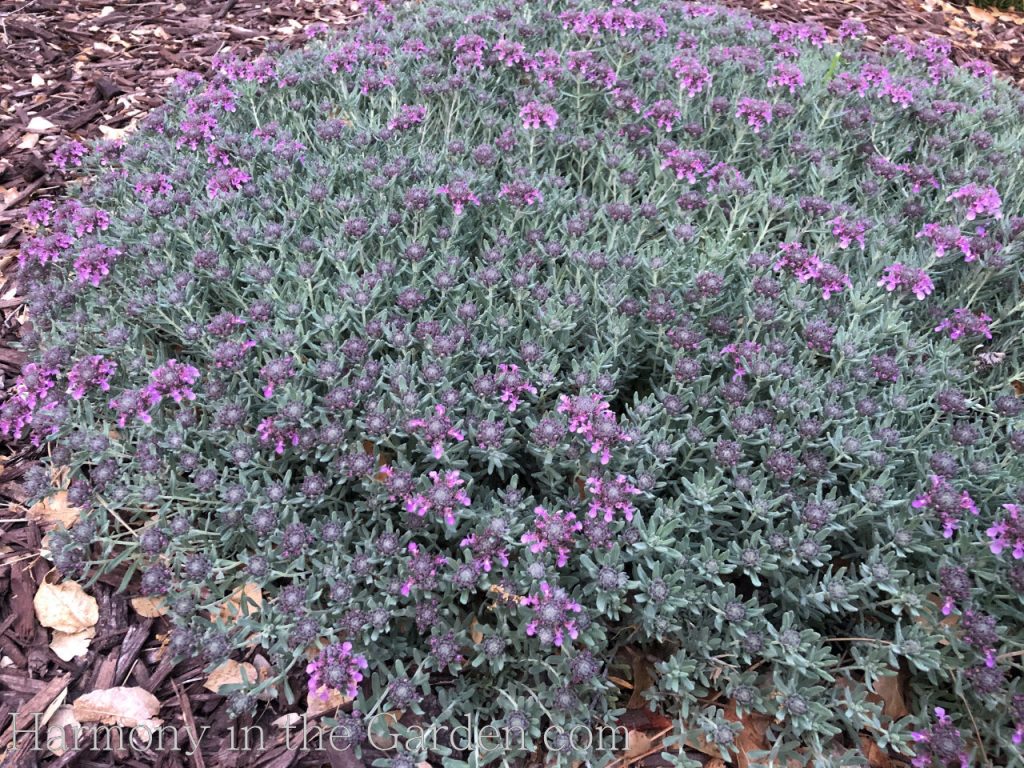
[87, 69]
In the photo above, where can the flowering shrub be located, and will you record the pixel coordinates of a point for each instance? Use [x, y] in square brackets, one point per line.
[491, 341]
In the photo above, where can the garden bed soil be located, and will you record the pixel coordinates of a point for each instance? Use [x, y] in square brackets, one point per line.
[90, 69]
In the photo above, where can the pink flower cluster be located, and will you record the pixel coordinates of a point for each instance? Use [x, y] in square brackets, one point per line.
[594, 420]
[965, 323]
[808, 267]
[423, 568]
[535, 114]
[786, 76]
[226, 180]
[512, 384]
[172, 379]
[443, 497]
[553, 621]
[279, 434]
[1009, 532]
[460, 195]
[981, 201]
[92, 371]
[915, 280]
[436, 429]
[849, 232]
[30, 393]
[741, 352]
[757, 113]
[687, 163]
[409, 116]
[946, 238]
[554, 531]
[610, 497]
[93, 263]
[336, 668]
[693, 76]
[944, 500]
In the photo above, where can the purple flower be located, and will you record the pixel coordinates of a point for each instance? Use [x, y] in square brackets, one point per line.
[1008, 532]
[174, 379]
[757, 113]
[409, 116]
[270, 431]
[435, 429]
[535, 114]
[741, 352]
[693, 76]
[664, 114]
[276, 372]
[786, 75]
[134, 402]
[610, 497]
[553, 531]
[93, 371]
[940, 745]
[423, 568]
[964, 322]
[593, 418]
[336, 668]
[915, 280]
[459, 194]
[943, 499]
[444, 495]
[70, 153]
[849, 232]
[512, 384]
[687, 163]
[226, 180]
[553, 620]
[981, 201]
[94, 261]
[520, 194]
[946, 239]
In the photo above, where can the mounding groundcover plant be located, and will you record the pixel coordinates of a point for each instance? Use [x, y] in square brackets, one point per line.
[501, 345]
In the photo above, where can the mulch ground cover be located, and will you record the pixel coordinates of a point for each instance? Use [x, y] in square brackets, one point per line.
[90, 69]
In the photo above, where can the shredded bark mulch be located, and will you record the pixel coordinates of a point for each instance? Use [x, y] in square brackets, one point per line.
[89, 69]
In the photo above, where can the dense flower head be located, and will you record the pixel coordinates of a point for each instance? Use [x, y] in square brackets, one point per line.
[336, 668]
[509, 343]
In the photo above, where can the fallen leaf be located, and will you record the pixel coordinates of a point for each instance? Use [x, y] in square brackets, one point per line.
[638, 744]
[316, 706]
[890, 689]
[149, 607]
[57, 741]
[231, 672]
[981, 15]
[244, 601]
[38, 81]
[71, 645]
[28, 141]
[65, 607]
[751, 738]
[113, 134]
[39, 125]
[129, 707]
[52, 510]
[287, 721]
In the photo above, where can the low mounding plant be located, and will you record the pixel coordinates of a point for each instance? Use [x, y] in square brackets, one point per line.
[503, 348]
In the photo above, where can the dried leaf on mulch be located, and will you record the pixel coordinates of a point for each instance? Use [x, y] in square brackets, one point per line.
[65, 607]
[52, 510]
[230, 672]
[130, 707]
